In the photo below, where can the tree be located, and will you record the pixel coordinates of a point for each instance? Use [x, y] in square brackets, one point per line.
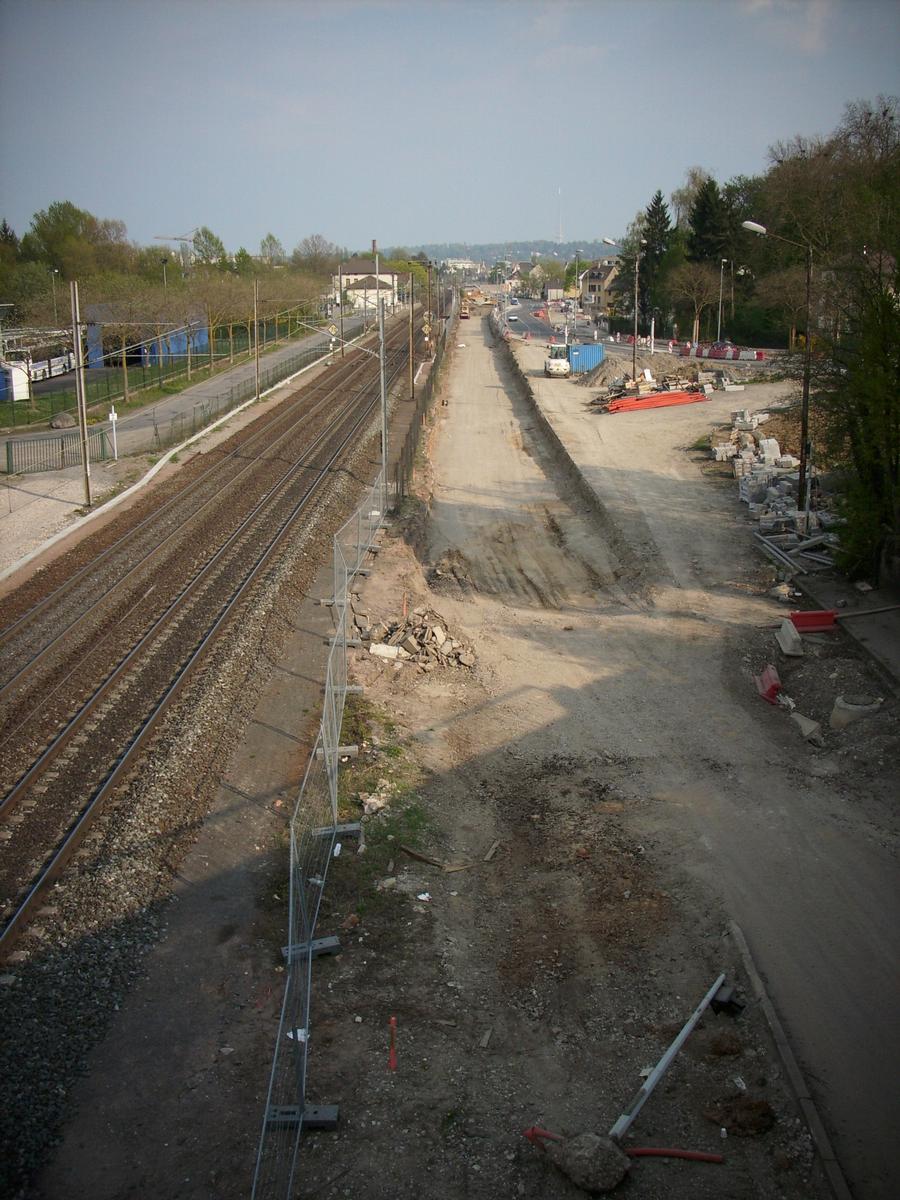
[243, 262]
[9, 244]
[271, 250]
[209, 250]
[785, 291]
[708, 236]
[683, 198]
[316, 255]
[698, 285]
[858, 387]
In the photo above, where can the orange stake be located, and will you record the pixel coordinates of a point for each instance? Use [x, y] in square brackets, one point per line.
[392, 1056]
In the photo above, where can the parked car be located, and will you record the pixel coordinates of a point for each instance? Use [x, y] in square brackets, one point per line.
[512, 317]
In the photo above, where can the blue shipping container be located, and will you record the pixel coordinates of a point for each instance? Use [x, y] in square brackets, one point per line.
[585, 357]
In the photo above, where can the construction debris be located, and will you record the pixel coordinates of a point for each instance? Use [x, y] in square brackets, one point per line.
[421, 637]
[797, 541]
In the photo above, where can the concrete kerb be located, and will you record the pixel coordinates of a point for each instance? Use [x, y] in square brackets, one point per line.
[107, 505]
[807, 1105]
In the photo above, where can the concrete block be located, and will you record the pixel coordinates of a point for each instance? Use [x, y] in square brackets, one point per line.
[811, 730]
[789, 639]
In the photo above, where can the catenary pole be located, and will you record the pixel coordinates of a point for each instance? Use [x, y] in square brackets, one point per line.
[80, 393]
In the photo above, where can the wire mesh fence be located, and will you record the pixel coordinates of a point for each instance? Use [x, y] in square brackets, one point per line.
[162, 369]
[313, 836]
[314, 833]
[146, 431]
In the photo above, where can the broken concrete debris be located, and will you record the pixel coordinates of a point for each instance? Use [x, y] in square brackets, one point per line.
[421, 637]
[768, 483]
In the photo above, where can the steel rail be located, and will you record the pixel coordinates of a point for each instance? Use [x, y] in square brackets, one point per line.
[178, 532]
[347, 371]
[78, 831]
[65, 735]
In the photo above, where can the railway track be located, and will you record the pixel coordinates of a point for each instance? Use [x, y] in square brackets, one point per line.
[79, 705]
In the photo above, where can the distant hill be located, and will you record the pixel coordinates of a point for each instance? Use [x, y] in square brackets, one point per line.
[519, 251]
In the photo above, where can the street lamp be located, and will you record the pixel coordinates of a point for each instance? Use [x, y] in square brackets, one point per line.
[608, 242]
[721, 280]
[762, 231]
[53, 274]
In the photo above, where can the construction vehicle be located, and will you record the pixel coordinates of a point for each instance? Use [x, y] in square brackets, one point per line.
[557, 364]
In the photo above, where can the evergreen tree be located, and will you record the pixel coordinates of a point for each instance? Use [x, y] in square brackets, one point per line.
[708, 236]
[657, 232]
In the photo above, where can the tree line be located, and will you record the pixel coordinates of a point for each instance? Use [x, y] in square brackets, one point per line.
[156, 284]
[831, 200]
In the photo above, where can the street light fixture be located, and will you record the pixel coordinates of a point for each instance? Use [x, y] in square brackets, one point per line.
[762, 231]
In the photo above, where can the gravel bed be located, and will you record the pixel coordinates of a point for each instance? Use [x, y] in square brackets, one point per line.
[89, 942]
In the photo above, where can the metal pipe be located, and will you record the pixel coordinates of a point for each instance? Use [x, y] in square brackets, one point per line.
[624, 1122]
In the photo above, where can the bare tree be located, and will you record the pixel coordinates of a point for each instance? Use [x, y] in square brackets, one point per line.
[315, 254]
[698, 284]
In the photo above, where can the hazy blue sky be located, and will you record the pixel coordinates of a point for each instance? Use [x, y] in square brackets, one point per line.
[412, 122]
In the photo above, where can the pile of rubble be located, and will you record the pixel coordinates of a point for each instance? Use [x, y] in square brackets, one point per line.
[421, 637]
[768, 482]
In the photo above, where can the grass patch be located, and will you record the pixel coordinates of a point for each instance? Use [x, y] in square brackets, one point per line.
[704, 442]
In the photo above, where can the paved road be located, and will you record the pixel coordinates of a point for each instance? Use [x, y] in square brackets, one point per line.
[135, 433]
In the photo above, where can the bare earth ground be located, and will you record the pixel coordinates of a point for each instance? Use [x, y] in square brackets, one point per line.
[610, 739]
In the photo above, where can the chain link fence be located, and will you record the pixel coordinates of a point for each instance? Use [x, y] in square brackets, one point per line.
[145, 431]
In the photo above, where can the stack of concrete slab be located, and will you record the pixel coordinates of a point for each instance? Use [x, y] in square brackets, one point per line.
[768, 483]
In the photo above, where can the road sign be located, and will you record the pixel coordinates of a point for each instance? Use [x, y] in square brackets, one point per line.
[426, 329]
[332, 329]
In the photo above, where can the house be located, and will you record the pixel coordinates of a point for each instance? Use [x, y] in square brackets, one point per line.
[596, 284]
[360, 284]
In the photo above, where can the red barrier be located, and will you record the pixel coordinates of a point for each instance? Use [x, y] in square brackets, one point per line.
[815, 622]
[768, 684]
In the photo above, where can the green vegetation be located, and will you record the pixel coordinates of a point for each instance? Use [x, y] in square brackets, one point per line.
[837, 196]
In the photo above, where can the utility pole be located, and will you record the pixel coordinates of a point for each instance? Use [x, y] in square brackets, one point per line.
[80, 395]
[341, 302]
[412, 342]
[256, 331]
[384, 413]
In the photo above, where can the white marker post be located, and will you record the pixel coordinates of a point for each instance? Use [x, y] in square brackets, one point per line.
[113, 417]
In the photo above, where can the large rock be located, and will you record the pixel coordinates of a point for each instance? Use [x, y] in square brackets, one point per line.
[592, 1162]
[62, 420]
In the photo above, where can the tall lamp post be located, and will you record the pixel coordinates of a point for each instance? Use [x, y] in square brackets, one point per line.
[53, 274]
[806, 247]
[721, 280]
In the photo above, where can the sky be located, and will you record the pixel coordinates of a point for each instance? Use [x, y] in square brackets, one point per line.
[412, 122]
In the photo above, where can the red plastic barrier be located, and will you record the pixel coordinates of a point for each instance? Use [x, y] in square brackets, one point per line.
[768, 684]
[815, 622]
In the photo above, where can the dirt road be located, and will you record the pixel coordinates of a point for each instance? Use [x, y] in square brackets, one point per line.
[616, 648]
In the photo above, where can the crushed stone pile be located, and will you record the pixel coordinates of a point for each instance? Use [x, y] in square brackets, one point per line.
[422, 637]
